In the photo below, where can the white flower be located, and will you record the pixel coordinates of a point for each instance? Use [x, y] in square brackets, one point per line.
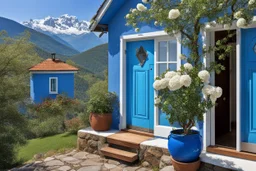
[241, 22]
[204, 76]
[208, 90]
[127, 16]
[173, 14]
[213, 23]
[145, 1]
[218, 92]
[220, 5]
[207, 26]
[251, 2]
[164, 83]
[188, 66]
[238, 14]
[141, 7]
[156, 23]
[170, 74]
[185, 80]
[254, 19]
[227, 26]
[137, 30]
[157, 85]
[213, 98]
[174, 83]
[134, 10]
[157, 101]
[182, 57]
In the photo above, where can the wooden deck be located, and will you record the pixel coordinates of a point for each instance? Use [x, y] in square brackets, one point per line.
[231, 152]
[123, 142]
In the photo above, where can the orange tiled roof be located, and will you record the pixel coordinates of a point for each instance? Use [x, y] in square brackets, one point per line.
[53, 65]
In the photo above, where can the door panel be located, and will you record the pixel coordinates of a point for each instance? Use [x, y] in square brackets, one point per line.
[139, 89]
[248, 89]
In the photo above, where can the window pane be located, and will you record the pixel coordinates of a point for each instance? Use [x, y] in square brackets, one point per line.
[162, 68]
[53, 85]
[172, 67]
[162, 55]
[172, 50]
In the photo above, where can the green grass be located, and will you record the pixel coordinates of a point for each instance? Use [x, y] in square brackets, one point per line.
[44, 145]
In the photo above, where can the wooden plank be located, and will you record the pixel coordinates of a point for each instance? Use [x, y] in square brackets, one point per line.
[127, 139]
[231, 152]
[139, 132]
[119, 154]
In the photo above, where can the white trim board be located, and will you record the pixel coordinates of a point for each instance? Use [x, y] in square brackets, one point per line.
[101, 14]
[53, 72]
[209, 119]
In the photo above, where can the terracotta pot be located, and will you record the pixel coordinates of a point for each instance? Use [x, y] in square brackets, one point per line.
[179, 166]
[100, 122]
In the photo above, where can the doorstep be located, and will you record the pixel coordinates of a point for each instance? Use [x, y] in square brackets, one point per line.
[92, 141]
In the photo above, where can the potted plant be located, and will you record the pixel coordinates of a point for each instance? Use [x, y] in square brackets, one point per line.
[100, 108]
[185, 95]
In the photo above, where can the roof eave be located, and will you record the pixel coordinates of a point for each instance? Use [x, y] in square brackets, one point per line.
[95, 26]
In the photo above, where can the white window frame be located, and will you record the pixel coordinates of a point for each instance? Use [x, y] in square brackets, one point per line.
[161, 131]
[50, 91]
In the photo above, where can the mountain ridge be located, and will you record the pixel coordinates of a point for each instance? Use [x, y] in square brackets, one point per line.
[68, 28]
[45, 42]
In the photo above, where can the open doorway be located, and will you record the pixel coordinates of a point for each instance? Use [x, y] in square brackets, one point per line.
[225, 111]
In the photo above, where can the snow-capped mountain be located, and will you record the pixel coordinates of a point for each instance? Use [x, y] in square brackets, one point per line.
[69, 31]
[65, 24]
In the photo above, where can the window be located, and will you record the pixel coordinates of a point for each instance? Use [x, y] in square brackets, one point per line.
[167, 52]
[166, 56]
[53, 85]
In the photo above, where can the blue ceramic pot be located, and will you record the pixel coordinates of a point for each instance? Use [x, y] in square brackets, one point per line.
[185, 148]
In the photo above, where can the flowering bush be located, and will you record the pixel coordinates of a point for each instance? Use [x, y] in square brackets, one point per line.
[60, 106]
[73, 125]
[180, 95]
[180, 92]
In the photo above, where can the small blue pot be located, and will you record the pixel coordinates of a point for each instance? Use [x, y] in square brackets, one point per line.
[185, 148]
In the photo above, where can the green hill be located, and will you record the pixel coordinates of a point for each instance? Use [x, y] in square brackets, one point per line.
[41, 40]
[95, 59]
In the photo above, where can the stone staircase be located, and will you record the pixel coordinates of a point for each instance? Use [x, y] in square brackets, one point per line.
[125, 145]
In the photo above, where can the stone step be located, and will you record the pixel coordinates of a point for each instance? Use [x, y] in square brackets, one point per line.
[127, 139]
[119, 154]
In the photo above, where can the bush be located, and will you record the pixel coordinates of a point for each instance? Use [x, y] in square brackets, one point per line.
[102, 103]
[50, 126]
[73, 125]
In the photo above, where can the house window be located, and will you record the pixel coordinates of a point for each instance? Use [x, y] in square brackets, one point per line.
[167, 52]
[53, 85]
[166, 56]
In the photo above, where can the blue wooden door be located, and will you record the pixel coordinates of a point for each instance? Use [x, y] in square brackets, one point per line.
[248, 83]
[139, 89]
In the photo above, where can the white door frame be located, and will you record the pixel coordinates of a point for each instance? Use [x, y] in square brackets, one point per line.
[209, 119]
[158, 35]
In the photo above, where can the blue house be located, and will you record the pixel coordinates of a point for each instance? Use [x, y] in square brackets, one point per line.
[231, 124]
[50, 78]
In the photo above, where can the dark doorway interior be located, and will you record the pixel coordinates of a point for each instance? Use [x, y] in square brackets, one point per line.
[225, 111]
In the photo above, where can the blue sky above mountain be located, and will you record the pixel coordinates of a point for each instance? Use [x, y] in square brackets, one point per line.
[31, 9]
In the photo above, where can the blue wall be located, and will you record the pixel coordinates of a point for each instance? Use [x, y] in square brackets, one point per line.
[117, 29]
[39, 86]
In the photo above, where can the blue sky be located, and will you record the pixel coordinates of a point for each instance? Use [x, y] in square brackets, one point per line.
[23, 10]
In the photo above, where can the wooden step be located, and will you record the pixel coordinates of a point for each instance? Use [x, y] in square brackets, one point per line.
[138, 132]
[127, 139]
[119, 154]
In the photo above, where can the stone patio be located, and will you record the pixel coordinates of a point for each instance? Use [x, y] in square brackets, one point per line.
[84, 161]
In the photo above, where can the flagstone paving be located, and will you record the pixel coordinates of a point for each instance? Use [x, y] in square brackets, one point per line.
[83, 161]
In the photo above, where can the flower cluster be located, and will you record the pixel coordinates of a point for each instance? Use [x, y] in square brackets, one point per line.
[175, 80]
